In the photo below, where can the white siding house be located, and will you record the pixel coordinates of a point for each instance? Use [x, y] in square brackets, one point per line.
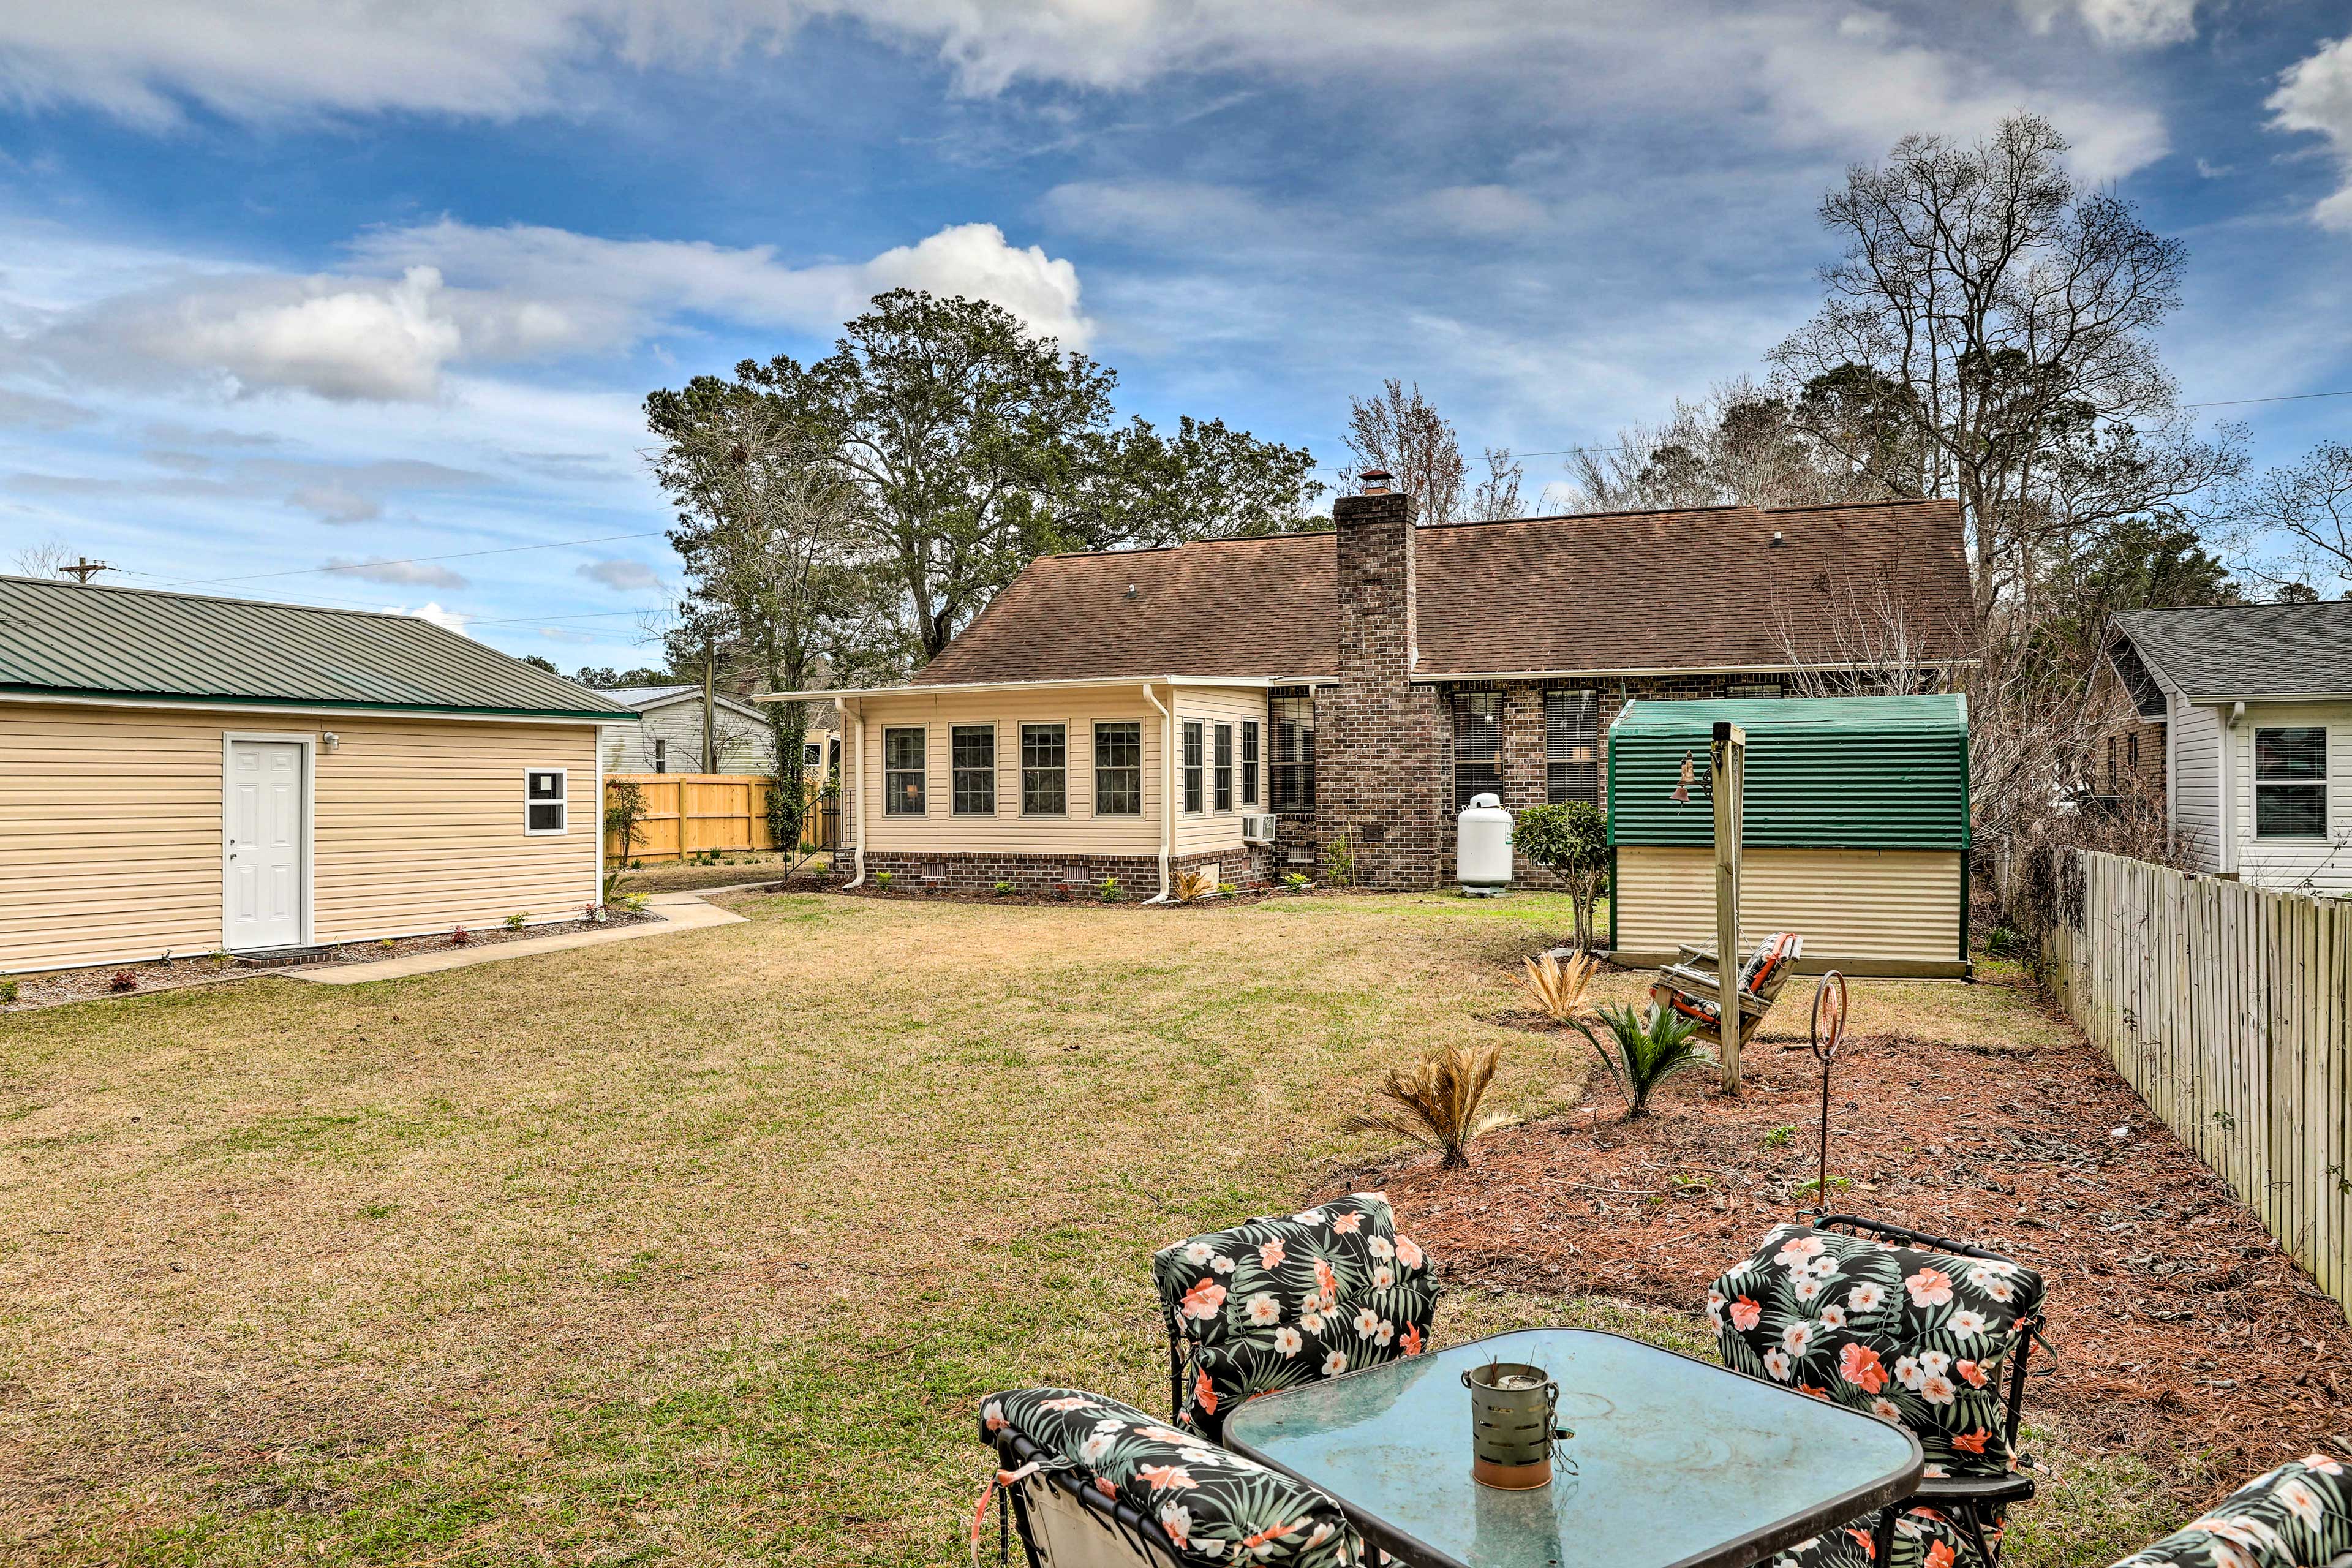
[670, 739]
[2256, 700]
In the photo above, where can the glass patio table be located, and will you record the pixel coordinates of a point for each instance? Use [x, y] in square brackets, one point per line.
[1680, 1463]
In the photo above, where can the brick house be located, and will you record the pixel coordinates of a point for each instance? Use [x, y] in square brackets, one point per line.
[1243, 703]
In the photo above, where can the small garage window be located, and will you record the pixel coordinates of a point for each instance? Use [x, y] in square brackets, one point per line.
[545, 793]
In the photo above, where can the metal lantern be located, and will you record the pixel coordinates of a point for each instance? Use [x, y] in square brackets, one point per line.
[1514, 1412]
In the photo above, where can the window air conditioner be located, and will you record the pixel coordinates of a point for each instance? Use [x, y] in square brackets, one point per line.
[1257, 829]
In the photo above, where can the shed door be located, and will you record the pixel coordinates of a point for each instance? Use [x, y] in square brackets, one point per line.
[266, 834]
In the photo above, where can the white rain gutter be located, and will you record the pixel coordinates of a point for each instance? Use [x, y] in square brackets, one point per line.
[1167, 783]
[857, 794]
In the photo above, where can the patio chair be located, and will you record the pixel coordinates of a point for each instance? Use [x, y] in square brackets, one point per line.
[2298, 1516]
[1088, 1482]
[1287, 1299]
[1927, 1333]
[1688, 988]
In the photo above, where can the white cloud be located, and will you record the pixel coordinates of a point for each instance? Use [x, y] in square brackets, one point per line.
[628, 576]
[2315, 94]
[336, 503]
[1485, 211]
[423, 300]
[2127, 24]
[431, 610]
[1820, 73]
[397, 574]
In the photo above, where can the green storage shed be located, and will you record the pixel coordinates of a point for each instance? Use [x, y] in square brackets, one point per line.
[1856, 829]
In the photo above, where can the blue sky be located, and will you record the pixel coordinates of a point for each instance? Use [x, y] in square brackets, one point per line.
[287, 283]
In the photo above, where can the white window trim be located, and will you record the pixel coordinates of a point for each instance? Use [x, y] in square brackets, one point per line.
[1021, 768]
[564, 800]
[2255, 783]
[1185, 765]
[995, 770]
[924, 772]
[1095, 770]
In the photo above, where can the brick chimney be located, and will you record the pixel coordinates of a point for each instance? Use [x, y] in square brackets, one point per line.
[1377, 764]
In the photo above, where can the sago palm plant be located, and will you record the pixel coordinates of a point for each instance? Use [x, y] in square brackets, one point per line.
[1560, 988]
[1191, 887]
[1651, 1047]
[1437, 1104]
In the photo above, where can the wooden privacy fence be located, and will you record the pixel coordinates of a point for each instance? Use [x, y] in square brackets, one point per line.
[2230, 1009]
[688, 814]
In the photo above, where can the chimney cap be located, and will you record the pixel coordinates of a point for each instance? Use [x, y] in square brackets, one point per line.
[1376, 481]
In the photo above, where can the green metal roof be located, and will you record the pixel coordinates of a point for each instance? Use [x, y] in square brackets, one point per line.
[1858, 772]
[72, 639]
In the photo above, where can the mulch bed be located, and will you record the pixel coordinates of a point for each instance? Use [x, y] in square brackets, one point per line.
[58, 987]
[2182, 1331]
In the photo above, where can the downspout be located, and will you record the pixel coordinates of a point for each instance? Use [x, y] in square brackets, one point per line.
[2228, 785]
[856, 804]
[1167, 785]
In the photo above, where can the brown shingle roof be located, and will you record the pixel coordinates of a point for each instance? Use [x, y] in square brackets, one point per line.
[1680, 590]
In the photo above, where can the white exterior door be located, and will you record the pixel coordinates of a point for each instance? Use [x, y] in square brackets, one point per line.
[265, 836]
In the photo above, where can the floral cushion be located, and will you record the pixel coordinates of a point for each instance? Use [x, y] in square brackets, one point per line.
[1215, 1506]
[1923, 1538]
[1286, 1300]
[1913, 1337]
[2298, 1516]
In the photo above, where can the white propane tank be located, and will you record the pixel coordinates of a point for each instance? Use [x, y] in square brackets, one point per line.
[1482, 857]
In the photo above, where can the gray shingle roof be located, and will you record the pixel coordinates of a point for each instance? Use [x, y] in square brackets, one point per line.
[2248, 650]
[60, 639]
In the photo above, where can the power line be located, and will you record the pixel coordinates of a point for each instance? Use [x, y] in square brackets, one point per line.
[408, 561]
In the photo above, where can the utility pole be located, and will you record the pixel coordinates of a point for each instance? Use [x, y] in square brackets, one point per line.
[83, 569]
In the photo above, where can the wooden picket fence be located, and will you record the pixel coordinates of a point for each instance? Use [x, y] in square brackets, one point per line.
[2230, 1009]
[691, 814]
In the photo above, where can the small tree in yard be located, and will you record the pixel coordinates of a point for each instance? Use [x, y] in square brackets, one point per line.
[1571, 842]
[625, 810]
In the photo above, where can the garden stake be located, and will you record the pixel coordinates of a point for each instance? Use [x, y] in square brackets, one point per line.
[1828, 1033]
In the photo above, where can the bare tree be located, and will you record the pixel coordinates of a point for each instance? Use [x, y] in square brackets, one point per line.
[1988, 336]
[1495, 498]
[44, 558]
[1740, 445]
[2295, 524]
[1403, 432]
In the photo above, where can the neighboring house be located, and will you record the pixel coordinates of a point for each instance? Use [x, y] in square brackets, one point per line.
[2247, 709]
[669, 740]
[189, 774]
[1245, 703]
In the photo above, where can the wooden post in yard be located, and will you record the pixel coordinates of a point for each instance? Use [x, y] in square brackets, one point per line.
[1727, 751]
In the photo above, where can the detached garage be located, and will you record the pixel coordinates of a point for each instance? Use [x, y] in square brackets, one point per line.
[1856, 830]
[193, 774]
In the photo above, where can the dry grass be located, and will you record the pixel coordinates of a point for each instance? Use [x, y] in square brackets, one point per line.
[696, 1250]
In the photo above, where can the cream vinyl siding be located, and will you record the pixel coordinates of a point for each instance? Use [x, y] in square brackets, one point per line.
[2296, 865]
[1851, 906]
[111, 828]
[1213, 705]
[109, 834]
[1078, 831]
[420, 826]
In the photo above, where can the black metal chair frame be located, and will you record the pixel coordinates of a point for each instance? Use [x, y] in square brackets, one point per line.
[1965, 1498]
[1015, 1449]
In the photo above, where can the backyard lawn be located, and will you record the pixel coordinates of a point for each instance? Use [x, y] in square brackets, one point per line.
[702, 1249]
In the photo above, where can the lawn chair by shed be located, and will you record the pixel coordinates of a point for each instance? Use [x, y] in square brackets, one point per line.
[1286, 1300]
[1931, 1333]
[1688, 988]
[2298, 1516]
[1089, 1482]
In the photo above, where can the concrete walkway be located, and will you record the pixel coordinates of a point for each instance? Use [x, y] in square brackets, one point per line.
[678, 912]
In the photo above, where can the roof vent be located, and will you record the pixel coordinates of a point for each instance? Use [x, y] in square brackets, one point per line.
[1131, 590]
[1779, 543]
[1376, 481]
